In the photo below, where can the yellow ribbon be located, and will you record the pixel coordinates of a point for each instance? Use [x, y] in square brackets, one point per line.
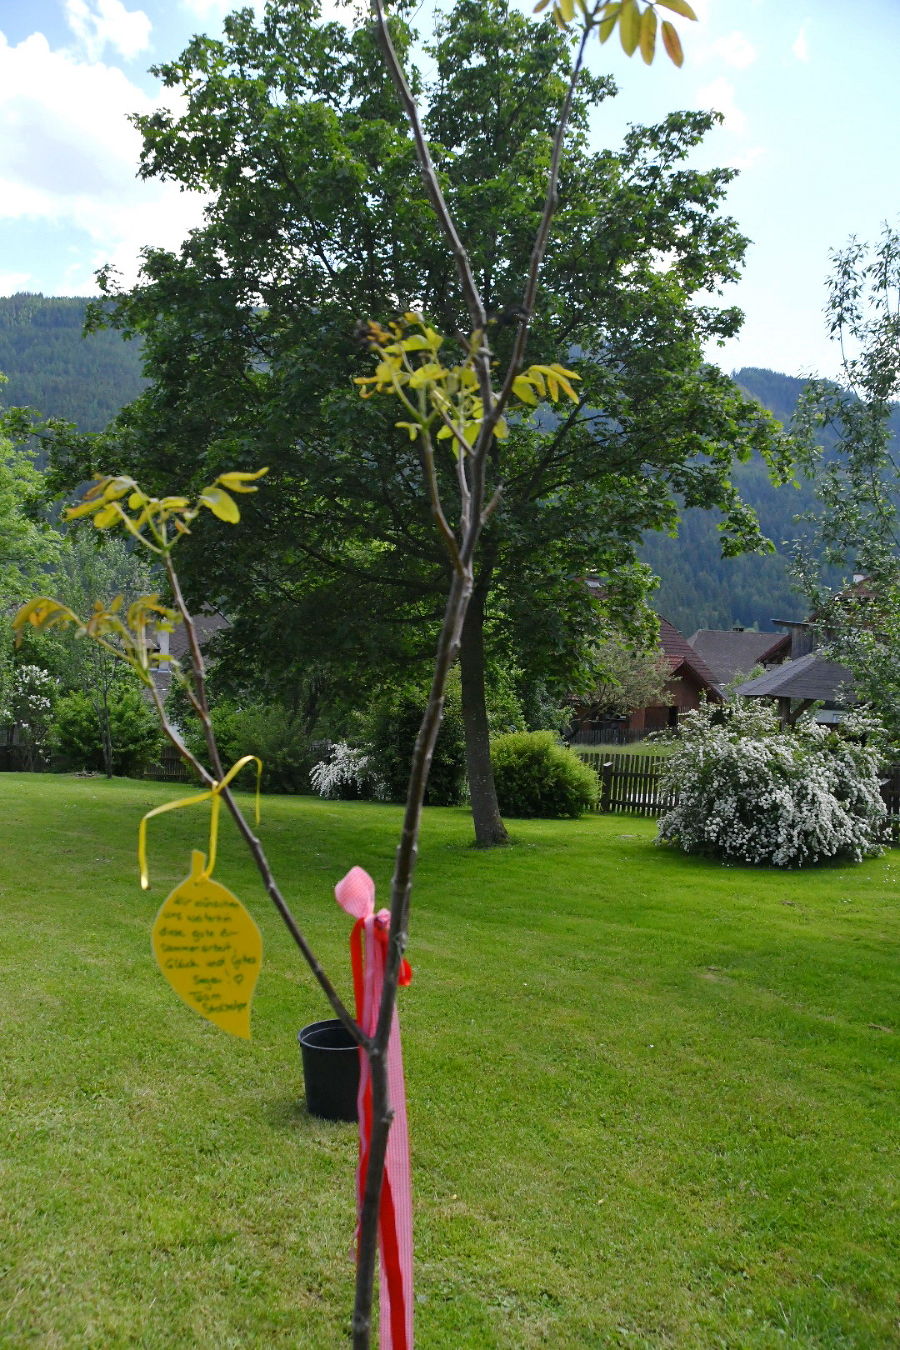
[212, 794]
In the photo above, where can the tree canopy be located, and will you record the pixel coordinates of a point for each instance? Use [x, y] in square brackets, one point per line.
[318, 217]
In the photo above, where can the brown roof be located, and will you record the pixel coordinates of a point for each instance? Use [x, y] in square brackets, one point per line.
[731, 652]
[808, 677]
[679, 653]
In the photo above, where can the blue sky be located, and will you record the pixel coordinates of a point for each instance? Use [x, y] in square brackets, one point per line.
[809, 90]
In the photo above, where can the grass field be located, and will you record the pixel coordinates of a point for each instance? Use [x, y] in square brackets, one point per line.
[653, 1100]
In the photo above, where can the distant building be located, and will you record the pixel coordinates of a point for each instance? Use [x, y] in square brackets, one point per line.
[729, 653]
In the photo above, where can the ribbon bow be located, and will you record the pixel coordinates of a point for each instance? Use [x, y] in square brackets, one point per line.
[368, 953]
[211, 794]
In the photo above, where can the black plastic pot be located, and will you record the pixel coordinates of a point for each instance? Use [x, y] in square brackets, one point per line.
[330, 1070]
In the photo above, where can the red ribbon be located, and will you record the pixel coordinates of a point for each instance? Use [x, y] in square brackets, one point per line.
[368, 955]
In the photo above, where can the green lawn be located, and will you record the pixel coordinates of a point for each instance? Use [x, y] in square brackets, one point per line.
[653, 1100]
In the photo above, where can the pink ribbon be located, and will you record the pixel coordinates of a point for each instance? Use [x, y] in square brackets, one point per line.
[368, 952]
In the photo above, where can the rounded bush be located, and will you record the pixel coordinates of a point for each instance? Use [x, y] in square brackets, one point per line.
[537, 776]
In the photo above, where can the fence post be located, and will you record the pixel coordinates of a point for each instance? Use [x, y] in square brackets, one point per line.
[606, 773]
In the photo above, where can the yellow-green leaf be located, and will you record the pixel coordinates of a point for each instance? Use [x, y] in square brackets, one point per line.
[672, 43]
[607, 25]
[501, 429]
[522, 389]
[566, 9]
[85, 509]
[629, 26]
[110, 514]
[221, 505]
[412, 428]
[237, 481]
[417, 343]
[470, 432]
[445, 433]
[432, 370]
[543, 5]
[678, 7]
[648, 35]
[42, 612]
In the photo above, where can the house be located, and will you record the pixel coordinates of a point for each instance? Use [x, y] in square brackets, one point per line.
[690, 683]
[729, 653]
[175, 644]
[799, 684]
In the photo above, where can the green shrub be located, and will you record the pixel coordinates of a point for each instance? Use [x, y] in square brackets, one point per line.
[389, 731]
[537, 776]
[134, 731]
[270, 731]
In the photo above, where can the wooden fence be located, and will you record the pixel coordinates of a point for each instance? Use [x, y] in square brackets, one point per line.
[631, 783]
[628, 783]
[170, 768]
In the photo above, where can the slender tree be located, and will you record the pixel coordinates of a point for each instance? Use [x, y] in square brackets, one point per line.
[856, 527]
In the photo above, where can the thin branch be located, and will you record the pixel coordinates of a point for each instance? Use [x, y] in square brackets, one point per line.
[251, 840]
[474, 302]
[529, 297]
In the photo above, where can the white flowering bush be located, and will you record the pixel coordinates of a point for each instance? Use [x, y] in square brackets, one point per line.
[346, 771]
[29, 707]
[749, 792]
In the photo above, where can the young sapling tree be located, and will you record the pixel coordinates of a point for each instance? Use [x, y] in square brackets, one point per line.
[457, 405]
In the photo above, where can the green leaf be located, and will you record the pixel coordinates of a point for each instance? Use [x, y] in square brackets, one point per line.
[221, 504]
[629, 26]
[678, 7]
[672, 43]
[648, 35]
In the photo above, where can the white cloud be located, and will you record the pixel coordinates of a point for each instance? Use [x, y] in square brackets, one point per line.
[69, 156]
[98, 24]
[11, 282]
[343, 11]
[216, 9]
[735, 49]
[747, 159]
[720, 95]
[801, 45]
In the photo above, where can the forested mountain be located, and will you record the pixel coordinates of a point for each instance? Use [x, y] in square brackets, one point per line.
[52, 368]
[700, 589]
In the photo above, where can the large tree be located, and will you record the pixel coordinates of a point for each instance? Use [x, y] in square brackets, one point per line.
[318, 216]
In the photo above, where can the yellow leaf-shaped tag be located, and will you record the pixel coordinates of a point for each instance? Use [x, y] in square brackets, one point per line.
[209, 949]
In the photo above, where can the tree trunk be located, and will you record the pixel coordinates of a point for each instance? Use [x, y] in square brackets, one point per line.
[489, 828]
